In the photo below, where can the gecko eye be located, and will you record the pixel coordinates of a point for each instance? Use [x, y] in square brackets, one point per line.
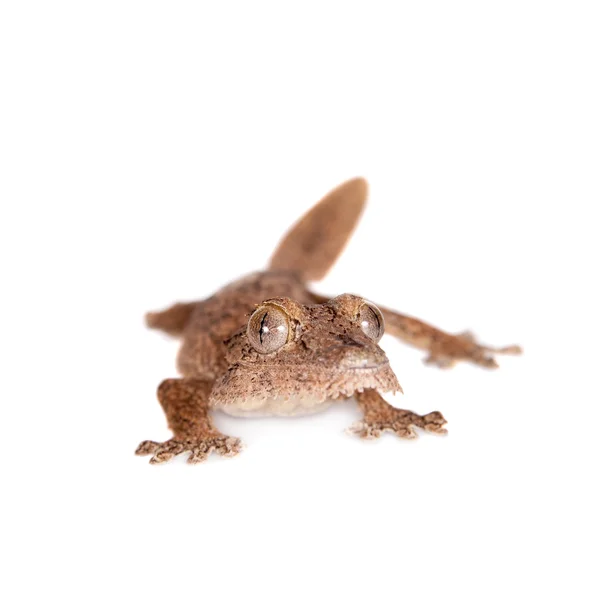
[371, 321]
[268, 329]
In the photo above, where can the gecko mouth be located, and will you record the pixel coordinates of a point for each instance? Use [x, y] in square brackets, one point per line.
[367, 368]
[370, 375]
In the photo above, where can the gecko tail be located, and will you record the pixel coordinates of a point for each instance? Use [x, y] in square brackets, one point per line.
[314, 243]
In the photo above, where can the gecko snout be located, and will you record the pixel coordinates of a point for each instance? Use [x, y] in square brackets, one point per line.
[359, 355]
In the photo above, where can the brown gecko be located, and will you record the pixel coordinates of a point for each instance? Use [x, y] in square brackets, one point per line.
[266, 345]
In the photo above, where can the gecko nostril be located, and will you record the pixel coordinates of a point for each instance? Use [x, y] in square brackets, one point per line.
[354, 344]
[346, 340]
[346, 346]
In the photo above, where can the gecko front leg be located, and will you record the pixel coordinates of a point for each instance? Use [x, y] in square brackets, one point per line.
[379, 416]
[185, 402]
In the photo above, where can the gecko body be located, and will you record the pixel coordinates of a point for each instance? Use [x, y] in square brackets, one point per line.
[266, 345]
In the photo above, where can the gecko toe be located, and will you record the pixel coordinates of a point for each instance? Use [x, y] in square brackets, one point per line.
[147, 447]
[434, 423]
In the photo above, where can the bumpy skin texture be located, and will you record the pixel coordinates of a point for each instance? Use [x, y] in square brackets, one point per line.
[327, 358]
[326, 352]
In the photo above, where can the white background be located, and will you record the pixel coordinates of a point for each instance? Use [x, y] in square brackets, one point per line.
[153, 151]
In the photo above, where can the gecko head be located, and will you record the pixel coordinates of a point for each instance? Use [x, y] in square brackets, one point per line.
[307, 353]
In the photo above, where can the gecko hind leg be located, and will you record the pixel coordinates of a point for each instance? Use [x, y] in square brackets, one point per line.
[444, 349]
[379, 416]
[172, 320]
[185, 402]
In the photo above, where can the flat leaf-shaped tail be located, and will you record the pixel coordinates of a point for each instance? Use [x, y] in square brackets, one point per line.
[313, 244]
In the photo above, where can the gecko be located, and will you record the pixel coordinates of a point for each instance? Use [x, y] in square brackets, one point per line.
[266, 345]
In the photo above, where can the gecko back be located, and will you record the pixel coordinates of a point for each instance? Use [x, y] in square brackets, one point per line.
[314, 243]
[306, 253]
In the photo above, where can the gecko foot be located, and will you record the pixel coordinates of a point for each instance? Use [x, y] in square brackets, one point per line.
[199, 449]
[398, 421]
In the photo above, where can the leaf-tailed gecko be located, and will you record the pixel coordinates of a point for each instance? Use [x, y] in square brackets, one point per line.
[267, 345]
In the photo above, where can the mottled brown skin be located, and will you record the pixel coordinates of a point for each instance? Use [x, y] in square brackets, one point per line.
[326, 351]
